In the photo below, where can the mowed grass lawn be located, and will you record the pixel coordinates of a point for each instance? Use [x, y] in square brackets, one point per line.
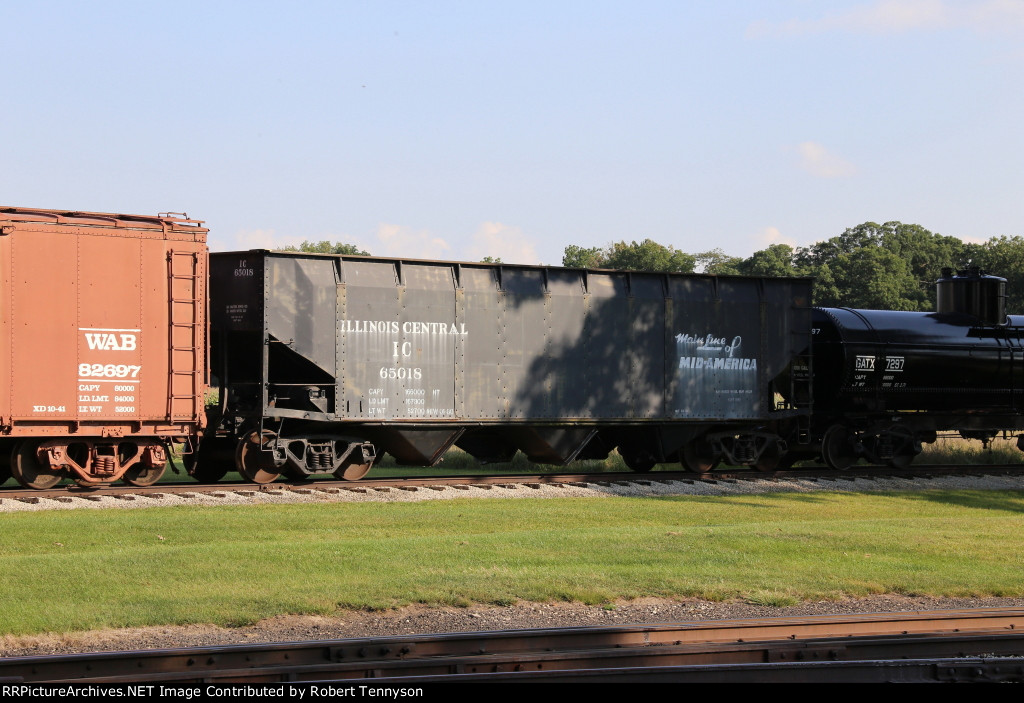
[72, 570]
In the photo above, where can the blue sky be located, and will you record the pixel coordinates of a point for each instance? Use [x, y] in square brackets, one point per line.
[457, 130]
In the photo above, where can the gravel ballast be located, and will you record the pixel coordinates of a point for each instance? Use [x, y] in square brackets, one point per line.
[646, 488]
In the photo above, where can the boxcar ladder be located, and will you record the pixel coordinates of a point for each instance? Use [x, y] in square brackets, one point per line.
[186, 342]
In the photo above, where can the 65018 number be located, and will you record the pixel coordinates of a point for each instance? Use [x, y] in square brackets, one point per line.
[401, 373]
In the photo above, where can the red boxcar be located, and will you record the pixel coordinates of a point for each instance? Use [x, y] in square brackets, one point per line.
[102, 343]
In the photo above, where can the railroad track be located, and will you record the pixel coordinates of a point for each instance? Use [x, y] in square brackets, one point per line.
[72, 492]
[962, 645]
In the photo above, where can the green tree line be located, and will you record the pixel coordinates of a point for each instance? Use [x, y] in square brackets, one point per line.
[890, 266]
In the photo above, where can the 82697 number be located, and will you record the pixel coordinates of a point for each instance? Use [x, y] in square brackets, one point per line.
[108, 371]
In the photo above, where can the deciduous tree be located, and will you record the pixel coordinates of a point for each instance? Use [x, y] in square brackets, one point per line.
[326, 247]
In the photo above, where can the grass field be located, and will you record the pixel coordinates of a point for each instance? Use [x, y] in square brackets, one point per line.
[72, 570]
[953, 450]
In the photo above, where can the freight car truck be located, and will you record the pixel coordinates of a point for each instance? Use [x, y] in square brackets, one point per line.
[102, 344]
[325, 362]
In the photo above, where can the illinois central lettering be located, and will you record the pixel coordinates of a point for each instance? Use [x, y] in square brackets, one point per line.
[408, 327]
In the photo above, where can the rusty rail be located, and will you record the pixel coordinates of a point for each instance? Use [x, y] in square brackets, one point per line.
[984, 644]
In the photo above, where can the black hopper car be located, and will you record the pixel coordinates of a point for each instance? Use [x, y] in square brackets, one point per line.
[322, 363]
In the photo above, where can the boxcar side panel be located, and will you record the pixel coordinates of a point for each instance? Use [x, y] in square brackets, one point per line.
[44, 335]
[606, 334]
[370, 325]
[645, 353]
[426, 344]
[564, 386]
[110, 332]
[484, 389]
[717, 346]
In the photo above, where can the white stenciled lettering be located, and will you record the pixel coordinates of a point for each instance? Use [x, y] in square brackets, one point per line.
[864, 363]
[406, 349]
[436, 329]
[112, 342]
[108, 370]
[717, 362]
[401, 373]
[712, 344]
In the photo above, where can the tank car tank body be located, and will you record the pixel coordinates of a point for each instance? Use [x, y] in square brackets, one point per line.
[324, 362]
[102, 344]
[885, 381]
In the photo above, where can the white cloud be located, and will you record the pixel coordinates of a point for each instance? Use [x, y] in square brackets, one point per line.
[820, 162]
[772, 235]
[899, 16]
[972, 240]
[269, 239]
[997, 15]
[252, 239]
[405, 242]
[502, 242]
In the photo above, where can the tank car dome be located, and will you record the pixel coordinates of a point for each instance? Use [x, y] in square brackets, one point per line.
[972, 292]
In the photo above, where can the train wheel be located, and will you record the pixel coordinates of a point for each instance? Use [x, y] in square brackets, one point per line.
[637, 459]
[27, 470]
[903, 449]
[208, 471]
[787, 461]
[352, 472]
[254, 462]
[211, 461]
[699, 457]
[770, 458]
[837, 448]
[900, 461]
[140, 475]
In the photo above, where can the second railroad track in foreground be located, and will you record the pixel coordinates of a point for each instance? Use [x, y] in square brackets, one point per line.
[957, 645]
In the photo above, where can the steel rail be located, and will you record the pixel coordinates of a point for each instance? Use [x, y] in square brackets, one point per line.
[981, 669]
[987, 633]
